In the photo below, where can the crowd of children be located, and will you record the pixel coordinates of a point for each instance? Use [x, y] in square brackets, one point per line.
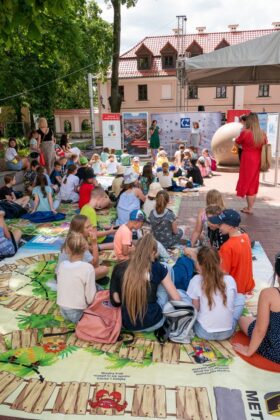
[142, 282]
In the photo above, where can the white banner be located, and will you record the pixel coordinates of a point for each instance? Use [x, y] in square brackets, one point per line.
[176, 128]
[111, 129]
[272, 124]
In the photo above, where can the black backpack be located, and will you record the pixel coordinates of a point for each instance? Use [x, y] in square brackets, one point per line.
[12, 210]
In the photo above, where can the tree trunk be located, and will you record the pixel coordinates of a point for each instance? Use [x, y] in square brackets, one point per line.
[115, 99]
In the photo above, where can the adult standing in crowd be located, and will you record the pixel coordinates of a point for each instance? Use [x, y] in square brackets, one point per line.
[154, 138]
[46, 143]
[195, 135]
[252, 138]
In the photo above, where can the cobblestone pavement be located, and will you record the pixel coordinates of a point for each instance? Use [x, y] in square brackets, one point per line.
[263, 225]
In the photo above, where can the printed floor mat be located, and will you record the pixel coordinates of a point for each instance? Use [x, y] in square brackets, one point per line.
[62, 377]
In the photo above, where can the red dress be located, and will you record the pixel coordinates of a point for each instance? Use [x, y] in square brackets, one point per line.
[249, 172]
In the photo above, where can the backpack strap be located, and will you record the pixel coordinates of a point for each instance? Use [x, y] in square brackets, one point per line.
[129, 340]
[56, 334]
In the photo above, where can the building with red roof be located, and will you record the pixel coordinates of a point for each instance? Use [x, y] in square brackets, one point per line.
[148, 82]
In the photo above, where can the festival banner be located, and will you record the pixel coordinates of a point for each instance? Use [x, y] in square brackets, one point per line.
[135, 127]
[272, 124]
[176, 128]
[111, 128]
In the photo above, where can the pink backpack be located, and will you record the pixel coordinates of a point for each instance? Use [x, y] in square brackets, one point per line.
[101, 322]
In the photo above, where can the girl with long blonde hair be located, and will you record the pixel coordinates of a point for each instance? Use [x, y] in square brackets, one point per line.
[76, 286]
[215, 297]
[213, 197]
[252, 139]
[141, 286]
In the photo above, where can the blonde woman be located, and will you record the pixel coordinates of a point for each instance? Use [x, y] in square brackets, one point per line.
[141, 287]
[252, 138]
[46, 143]
[213, 197]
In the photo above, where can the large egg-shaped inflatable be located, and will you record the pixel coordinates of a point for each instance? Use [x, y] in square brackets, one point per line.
[222, 143]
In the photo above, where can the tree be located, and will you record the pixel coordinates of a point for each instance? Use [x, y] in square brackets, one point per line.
[79, 39]
[115, 99]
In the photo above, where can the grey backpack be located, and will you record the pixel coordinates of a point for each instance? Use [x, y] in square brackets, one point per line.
[180, 318]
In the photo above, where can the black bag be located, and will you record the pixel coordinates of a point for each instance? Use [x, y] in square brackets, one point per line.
[12, 210]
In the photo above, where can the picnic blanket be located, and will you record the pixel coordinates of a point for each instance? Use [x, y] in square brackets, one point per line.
[61, 377]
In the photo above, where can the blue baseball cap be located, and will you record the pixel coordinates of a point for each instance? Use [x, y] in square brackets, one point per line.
[137, 216]
[229, 217]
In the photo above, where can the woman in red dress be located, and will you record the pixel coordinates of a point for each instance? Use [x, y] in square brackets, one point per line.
[252, 138]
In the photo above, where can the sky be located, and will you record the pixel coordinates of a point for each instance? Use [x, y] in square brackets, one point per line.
[158, 17]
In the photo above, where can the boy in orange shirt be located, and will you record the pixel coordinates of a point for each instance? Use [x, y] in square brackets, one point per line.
[235, 253]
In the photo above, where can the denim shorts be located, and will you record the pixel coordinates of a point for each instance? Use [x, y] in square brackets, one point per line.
[14, 166]
[73, 315]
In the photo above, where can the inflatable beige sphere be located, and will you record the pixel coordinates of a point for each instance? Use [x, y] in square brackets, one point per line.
[222, 143]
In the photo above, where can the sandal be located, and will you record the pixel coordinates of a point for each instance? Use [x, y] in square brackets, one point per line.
[246, 211]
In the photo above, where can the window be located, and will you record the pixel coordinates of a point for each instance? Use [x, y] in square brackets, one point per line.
[142, 93]
[221, 92]
[166, 92]
[168, 61]
[121, 92]
[144, 62]
[263, 91]
[192, 92]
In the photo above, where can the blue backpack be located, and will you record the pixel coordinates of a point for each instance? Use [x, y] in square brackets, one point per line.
[183, 272]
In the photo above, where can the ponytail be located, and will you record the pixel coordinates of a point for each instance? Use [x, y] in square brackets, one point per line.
[71, 169]
[41, 181]
[162, 199]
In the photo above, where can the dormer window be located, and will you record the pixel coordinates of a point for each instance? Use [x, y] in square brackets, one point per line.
[144, 58]
[144, 63]
[222, 44]
[168, 56]
[194, 49]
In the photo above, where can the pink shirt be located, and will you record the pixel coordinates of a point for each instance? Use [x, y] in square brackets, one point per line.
[123, 236]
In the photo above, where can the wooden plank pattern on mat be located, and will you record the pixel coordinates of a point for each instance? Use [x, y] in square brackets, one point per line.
[34, 396]
[107, 391]
[149, 401]
[192, 403]
[24, 338]
[3, 346]
[8, 385]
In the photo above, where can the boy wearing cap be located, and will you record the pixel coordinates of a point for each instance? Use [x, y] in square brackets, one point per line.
[235, 253]
[136, 165]
[81, 171]
[123, 245]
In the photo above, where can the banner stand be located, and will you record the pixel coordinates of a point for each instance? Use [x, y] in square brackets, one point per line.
[275, 183]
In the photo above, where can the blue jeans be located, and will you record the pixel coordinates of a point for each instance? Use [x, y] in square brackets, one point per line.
[73, 315]
[239, 303]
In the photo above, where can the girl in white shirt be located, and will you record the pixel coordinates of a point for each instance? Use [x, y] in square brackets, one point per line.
[69, 186]
[76, 286]
[215, 297]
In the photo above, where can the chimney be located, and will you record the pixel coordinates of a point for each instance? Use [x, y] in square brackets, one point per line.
[200, 29]
[177, 31]
[276, 25]
[233, 27]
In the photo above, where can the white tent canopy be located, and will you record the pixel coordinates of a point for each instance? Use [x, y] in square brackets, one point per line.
[252, 62]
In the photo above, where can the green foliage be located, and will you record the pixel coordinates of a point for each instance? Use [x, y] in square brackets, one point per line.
[119, 363]
[38, 321]
[67, 351]
[40, 42]
[26, 356]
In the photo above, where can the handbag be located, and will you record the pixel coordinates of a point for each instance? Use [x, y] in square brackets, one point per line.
[42, 159]
[266, 157]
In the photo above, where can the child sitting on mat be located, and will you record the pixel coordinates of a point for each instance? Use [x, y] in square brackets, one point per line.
[81, 224]
[8, 239]
[76, 286]
[264, 331]
[42, 195]
[70, 185]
